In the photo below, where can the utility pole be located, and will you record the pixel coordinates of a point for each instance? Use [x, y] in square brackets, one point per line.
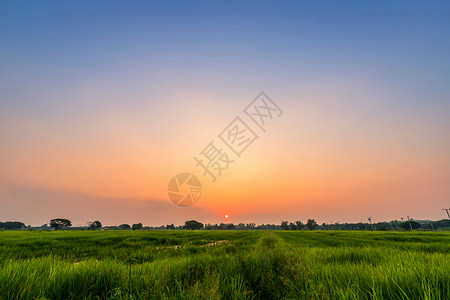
[447, 209]
[409, 221]
[370, 222]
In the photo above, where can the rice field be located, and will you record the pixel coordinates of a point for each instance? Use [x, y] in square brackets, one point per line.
[204, 264]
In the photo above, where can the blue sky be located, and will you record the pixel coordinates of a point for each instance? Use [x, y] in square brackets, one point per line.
[89, 74]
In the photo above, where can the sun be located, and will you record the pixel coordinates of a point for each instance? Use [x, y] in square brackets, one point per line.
[226, 216]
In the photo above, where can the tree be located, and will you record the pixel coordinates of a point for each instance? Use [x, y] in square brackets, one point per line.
[284, 225]
[60, 223]
[171, 226]
[299, 225]
[250, 226]
[230, 226]
[240, 226]
[311, 224]
[441, 224]
[292, 226]
[136, 226]
[11, 225]
[414, 225]
[124, 226]
[95, 225]
[193, 225]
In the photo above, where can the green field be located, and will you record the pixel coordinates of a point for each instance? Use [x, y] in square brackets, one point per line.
[224, 265]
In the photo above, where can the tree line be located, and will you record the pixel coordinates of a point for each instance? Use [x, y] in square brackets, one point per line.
[310, 224]
[65, 223]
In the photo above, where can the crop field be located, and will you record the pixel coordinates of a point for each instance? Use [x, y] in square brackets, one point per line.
[204, 264]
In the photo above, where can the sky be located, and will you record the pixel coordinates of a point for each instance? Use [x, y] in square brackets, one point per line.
[103, 102]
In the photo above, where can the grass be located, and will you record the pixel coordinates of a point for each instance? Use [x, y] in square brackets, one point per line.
[224, 265]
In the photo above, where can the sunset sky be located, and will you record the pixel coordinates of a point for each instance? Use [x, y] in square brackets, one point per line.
[101, 104]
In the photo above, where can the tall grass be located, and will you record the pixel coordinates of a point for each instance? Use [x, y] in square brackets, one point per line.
[224, 265]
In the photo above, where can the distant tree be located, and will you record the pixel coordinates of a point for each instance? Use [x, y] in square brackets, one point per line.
[292, 226]
[95, 225]
[414, 225]
[441, 223]
[230, 226]
[299, 225]
[284, 225]
[394, 224]
[60, 223]
[111, 228]
[171, 226]
[124, 226]
[311, 224]
[240, 226]
[137, 226]
[11, 225]
[268, 227]
[193, 225]
[250, 226]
